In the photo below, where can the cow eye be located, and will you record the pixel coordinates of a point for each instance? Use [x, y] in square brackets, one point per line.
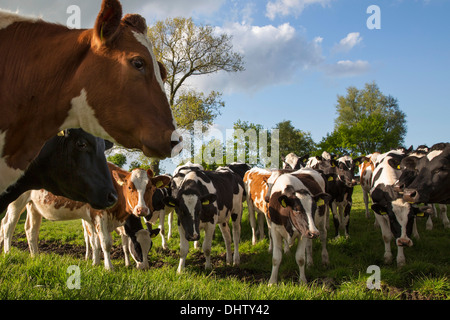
[138, 63]
[81, 145]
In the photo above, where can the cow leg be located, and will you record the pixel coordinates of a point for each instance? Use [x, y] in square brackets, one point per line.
[207, 243]
[444, 217]
[321, 223]
[10, 220]
[87, 235]
[184, 249]
[336, 221]
[225, 229]
[162, 230]
[32, 226]
[387, 237]
[277, 253]
[401, 260]
[346, 219]
[261, 221]
[300, 257]
[170, 221]
[309, 257]
[236, 223]
[125, 246]
[366, 203]
[251, 217]
[105, 240]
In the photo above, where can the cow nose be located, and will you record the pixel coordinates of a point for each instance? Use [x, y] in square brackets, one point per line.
[404, 242]
[111, 199]
[313, 234]
[410, 195]
[142, 211]
[176, 143]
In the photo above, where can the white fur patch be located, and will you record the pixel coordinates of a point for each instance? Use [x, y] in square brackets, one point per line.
[190, 201]
[140, 181]
[7, 18]
[145, 41]
[82, 115]
[433, 154]
[8, 175]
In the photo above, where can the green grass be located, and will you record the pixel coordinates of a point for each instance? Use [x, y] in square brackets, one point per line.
[425, 276]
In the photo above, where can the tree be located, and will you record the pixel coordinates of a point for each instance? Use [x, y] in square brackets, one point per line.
[294, 140]
[189, 50]
[367, 121]
[118, 159]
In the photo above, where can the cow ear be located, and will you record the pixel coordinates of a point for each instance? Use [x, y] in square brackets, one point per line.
[170, 202]
[108, 144]
[285, 201]
[108, 21]
[119, 179]
[322, 199]
[136, 21]
[150, 173]
[161, 181]
[163, 71]
[379, 209]
[208, 199]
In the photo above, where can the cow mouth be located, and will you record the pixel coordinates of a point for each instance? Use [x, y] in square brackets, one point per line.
[169, 150]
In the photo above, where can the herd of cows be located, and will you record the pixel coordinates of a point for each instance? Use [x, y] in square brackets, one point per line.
[295, 202]
[105, 84]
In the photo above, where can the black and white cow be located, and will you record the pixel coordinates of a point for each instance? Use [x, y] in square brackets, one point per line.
[296, 203]
[160, 211]
[411, 165]
[395, 216]
[73, 165]
[340, 182]
[431, 184]
[204, 199]
[294, 162]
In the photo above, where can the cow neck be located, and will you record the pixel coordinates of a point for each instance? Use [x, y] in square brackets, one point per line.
[37, 82]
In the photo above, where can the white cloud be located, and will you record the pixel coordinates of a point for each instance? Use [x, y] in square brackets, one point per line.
[272, 55]
[347, 68]
[346, 44]
[290, 7]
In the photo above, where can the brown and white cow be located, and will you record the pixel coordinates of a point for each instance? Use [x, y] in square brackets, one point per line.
[105, 80]
[290, 211]
[366, 169]
[134, 190]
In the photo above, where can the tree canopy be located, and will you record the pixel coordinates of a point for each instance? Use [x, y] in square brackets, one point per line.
[367, 121]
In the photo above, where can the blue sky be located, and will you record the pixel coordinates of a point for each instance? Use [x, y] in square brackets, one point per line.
[301, 54]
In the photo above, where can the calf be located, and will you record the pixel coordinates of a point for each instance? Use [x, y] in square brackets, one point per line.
[49, 82]
[431, 184]
[72, 165]
[292, 206]
[134, 190]
[410, 166]
[366, 169]
[340, 186]
[160, 211]
[395, 216]
[204, 199]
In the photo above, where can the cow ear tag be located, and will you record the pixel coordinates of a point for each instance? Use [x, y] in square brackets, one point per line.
[420, 214]
[383, 213]
[398, 167]
[61, 133]
[205, 203]
[320, 202]
[330, 179]
[283, 203]
[159, 184]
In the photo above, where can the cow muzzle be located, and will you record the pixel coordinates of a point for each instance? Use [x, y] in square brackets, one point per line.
[312, 234]
[141, 211]
[411, 195]
[404, 242]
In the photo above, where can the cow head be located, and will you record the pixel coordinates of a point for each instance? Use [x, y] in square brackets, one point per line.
[122, 85]
[299, 206]
[191, 206]
[73, 165]
[138, 187]
[430, 184]
[345, 169]
[401, 218]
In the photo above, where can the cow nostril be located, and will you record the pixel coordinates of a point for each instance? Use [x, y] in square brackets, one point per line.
[174, 143]
[111, 198]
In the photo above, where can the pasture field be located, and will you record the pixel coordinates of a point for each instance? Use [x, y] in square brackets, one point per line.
[426, 275]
